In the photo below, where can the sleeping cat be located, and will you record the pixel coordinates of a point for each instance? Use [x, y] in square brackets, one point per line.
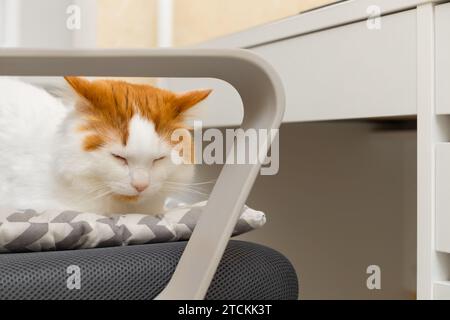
[109, 151]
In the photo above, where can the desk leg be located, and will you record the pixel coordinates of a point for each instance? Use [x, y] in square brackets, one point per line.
[432, 267]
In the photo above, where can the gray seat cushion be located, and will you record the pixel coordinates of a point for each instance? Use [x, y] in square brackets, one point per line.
[247, 271]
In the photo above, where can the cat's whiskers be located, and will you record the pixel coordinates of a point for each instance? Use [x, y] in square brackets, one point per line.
[185, 189]
[191, 184]
[102, 195]
[97, 191]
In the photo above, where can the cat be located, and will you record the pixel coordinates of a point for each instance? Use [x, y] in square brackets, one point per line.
[109, 151]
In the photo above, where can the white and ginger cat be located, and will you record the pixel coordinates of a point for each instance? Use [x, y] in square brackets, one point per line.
[110, 151]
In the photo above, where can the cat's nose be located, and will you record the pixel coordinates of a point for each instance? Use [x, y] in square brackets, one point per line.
[141, 186]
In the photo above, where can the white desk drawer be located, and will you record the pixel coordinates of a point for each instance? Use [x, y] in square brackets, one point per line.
[443, 59]
[349, 71]
[443, 197]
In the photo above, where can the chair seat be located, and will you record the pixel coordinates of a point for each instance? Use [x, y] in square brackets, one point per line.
[247, 271]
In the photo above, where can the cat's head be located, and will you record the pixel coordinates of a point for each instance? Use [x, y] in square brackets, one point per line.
[117, 141]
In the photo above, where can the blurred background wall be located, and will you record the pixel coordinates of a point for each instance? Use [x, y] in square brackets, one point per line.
[127, 23]
[137, 23]
[199, 20]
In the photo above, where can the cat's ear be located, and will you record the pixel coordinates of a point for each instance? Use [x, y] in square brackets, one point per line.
[187, 100]
[80, 85]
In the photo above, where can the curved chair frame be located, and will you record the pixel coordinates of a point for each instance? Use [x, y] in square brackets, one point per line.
[263, 98]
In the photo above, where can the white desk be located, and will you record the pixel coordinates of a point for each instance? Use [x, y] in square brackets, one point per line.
[334, 67]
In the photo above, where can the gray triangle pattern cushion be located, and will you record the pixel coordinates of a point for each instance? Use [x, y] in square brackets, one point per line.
[29, 230]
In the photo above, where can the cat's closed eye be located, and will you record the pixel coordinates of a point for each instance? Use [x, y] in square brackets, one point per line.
[160, 158]
[120, 158]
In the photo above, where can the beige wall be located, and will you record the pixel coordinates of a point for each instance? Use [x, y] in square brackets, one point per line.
[126, 23]
[133, 23]
[199, 20]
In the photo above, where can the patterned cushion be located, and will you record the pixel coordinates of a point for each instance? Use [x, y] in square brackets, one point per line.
[29, 230]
